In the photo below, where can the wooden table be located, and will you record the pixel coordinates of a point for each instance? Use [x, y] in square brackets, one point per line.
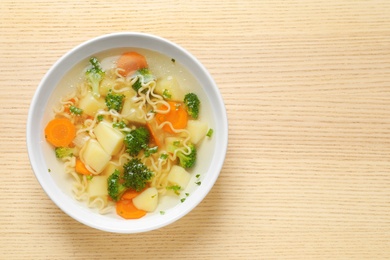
[307, 91]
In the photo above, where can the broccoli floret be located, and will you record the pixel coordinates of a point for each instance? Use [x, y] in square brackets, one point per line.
[115, 187]
[114, 100]
[192, 104]
[144, 76]
[136, 174]
[62, 152]
[136, 140]
[187, 160]
[95, 74]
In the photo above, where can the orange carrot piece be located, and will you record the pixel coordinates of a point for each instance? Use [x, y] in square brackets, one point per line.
[127, 210]
[129, 62]
[130, 194]
[80, 168]
[177, 116]
[60, 132]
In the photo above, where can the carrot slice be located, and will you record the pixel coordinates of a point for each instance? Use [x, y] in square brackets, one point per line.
[177, 116]
[127, 210]
[80, 168]
[129, 62]
[130, 194]
[60, 132]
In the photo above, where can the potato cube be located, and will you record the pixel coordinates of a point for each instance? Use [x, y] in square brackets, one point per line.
[170, 88]
[147, 200]
[106, 84]
[131, 112]
[110, 139]
[90, 104]
[95, 156]
[97, 187]
[197, 129]
[179, 176]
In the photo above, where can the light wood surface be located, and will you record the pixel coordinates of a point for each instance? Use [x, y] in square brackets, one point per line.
[307, 91]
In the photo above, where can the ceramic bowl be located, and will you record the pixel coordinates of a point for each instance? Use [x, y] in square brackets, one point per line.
[49, 170]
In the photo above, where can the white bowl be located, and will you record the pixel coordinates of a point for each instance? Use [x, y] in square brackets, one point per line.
[57, 186]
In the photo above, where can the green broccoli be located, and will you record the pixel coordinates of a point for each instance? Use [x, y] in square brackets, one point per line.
[95, 75]
[62, 152]
[115, 187]
[114, 100]
[187, 160]
[192, 104]
[144, 76]
[136, 139]
[136, 174]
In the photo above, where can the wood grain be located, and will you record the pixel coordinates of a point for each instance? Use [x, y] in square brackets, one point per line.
[306, 88]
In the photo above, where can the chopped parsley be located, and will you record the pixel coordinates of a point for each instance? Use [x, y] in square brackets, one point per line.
[198, 183]
[100, 118]
[166, 94]
[119, 125]
[197, 176]
[175, 188]
[164, 156]
[162, 212]
[173, 60]
[149, 150]
[49, 170]
[182, 200]
[210, 132]
[89, 177]
[75, 110]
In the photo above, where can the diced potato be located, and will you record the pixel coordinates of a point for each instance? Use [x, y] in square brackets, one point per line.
[110, 139]
[147, 200]
[197, 129]
[131, 112]
[90, 104]
[110, 168]
[95, 156]
[106, 85]
[171, 87]
[179, 176]
[97, 186]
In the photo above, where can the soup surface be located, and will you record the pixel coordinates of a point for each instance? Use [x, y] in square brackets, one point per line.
[130, 130]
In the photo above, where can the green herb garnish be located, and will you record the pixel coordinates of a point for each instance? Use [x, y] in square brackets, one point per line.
[100, 118]
[119, 125]
[166, 94]
[175, 188]
[210, 132]
[75, 110]
[164, 156]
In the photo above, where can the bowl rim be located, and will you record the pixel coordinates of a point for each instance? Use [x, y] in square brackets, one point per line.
[86, 49]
